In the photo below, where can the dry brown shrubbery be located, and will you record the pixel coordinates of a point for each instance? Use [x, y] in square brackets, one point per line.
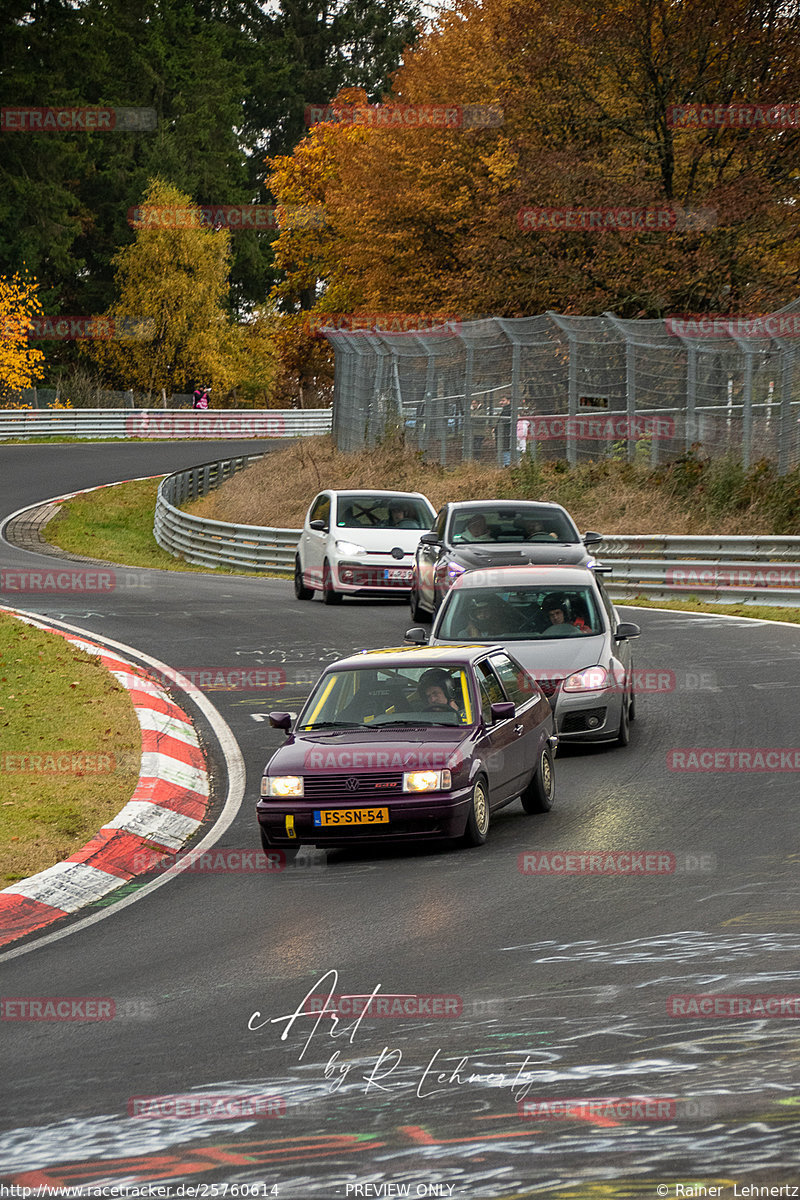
[278, 490]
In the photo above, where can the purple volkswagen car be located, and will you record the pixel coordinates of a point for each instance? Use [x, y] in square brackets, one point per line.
[414, 744]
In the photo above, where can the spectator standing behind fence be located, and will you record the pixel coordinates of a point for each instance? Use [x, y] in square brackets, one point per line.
[200, 397]
[478, 421]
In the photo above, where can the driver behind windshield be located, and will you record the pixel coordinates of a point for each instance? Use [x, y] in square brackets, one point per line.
[558, 610]
[434, 689]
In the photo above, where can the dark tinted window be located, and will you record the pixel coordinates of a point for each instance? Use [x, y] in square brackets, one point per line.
[527, 523]
[381, 512]
[321, 510]
[491, 691]
[518, 684]
[519, 613]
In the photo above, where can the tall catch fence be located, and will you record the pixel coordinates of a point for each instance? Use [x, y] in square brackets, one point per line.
[576, 388]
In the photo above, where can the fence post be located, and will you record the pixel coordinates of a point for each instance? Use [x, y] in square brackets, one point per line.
[747, 414]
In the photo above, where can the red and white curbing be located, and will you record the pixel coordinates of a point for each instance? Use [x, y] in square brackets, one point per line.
[167, 807]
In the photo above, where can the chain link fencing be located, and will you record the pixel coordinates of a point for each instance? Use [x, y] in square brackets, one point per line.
[575, 388]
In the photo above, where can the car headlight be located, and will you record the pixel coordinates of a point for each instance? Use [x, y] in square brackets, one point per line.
[350, 548]
[426, 781]
[588, 680]
[282, 786]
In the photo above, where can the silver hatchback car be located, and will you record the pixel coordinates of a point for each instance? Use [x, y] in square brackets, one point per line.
[561, 625]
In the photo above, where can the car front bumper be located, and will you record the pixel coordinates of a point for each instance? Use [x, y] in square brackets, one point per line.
[382, 575]
[430, 817]
[591, 716]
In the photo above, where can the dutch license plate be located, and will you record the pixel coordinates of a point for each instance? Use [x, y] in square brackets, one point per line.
[351, 816]
[397, 575]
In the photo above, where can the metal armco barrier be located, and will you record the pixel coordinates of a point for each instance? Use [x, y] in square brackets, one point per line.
[164, 424]
[758, 570]
[217, 543]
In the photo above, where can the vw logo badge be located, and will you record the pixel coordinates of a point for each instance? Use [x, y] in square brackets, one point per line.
[352, 783]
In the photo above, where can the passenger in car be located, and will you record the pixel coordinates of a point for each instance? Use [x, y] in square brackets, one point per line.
[476, 529]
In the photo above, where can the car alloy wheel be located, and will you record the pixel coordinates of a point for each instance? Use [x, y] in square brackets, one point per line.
[478, 819]
[329, 595]
[540, 793]
[300, 590]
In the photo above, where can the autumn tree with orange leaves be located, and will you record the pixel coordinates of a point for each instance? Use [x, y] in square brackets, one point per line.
[427, 218]
[20, 363]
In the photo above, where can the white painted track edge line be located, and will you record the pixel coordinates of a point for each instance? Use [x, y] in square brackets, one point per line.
[683, 612]
[233, 800]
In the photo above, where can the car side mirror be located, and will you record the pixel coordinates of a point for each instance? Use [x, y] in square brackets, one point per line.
[503, 710]
[626, 629]
[416, 636]
[591, 538]
[430, 539]
[319, 525]
[281, 720]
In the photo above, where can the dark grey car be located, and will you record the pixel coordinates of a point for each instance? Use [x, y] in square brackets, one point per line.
[473, 535]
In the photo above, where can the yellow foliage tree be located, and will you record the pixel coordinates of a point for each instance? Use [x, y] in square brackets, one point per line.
[20, 363]
[168, 329]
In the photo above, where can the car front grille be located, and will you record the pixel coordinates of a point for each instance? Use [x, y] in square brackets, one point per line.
[578, 722]
[353, 789]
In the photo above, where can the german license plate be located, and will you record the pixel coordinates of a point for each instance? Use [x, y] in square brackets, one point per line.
[397, 574]
[351, 816]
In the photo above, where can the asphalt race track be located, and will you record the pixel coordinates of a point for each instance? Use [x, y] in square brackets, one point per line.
[557, 986]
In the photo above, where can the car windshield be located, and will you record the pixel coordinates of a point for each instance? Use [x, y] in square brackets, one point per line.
[381, 512]
[528, 523]
[369, 697]
[520, 614]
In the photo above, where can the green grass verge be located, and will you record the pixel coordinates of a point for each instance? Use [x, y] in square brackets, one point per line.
[758, 612]
[71, 748]
[116, 524]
